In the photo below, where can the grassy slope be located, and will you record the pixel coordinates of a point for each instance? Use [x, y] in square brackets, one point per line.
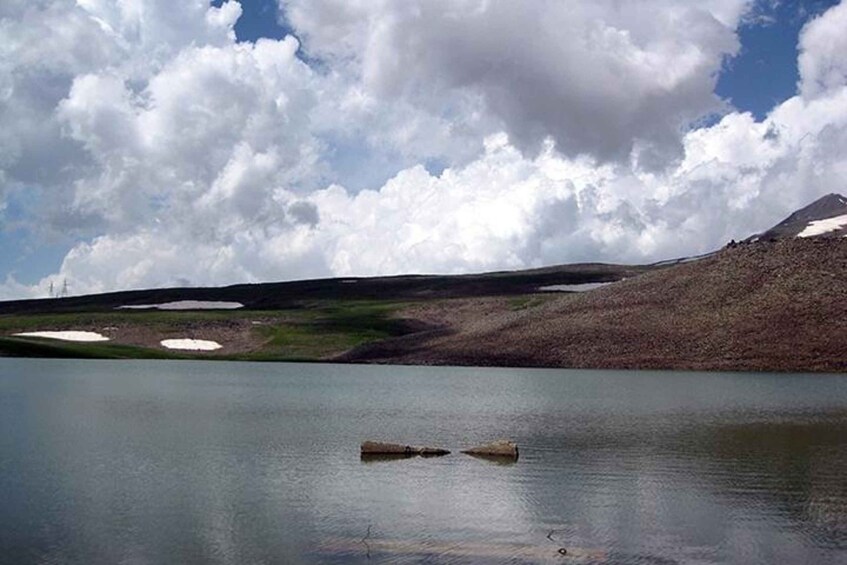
[311, 332]
[35, 347]
[298, 320]
[325, 329]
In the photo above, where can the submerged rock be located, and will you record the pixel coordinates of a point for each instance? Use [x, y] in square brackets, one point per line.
[380, 448]
[500, 448]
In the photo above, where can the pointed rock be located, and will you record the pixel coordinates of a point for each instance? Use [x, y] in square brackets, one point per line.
[499, 448]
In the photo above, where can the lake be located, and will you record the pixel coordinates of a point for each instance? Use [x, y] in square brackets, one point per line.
[219, 462]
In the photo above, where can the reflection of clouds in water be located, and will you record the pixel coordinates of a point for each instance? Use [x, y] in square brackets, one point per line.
[194, 481]
[707, 490]
[452, 497]
[238, 462]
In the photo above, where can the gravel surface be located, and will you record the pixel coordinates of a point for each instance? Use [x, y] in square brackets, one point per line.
[776, 306]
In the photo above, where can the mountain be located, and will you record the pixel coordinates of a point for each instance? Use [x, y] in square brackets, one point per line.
[775, 302]
[826, 216]
[778, 306]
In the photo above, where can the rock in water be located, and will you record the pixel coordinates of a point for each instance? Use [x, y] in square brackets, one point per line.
[379, 448]
[499, 448]
[432, 451]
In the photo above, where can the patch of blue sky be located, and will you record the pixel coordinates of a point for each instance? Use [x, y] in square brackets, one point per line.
[356, 166]
[764, 73]
[264, 19]
[259, 18]
[25, 255]
[27, 258]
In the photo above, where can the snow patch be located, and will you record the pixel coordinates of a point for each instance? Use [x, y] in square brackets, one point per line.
[67, 335]
[572, 287]
[186, 305]
[191, 344]
[818, 227]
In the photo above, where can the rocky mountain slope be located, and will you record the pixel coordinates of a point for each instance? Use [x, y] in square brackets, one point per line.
[777, 301]
[825, 217]
[763, 306]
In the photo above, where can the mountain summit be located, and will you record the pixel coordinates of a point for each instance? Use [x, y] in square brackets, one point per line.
[826, 216]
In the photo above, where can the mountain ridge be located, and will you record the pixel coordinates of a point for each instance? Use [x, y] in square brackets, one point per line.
[828, 206]
[776, 302]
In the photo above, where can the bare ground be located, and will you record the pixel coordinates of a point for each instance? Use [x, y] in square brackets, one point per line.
[778, 306]
[234, 336]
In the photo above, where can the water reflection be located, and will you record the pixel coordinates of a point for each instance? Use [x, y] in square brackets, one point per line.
[386, 457]
[230, 463]
[501, 460]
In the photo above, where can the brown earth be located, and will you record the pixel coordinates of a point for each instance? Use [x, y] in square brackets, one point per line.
[776, 306]
[234, 336]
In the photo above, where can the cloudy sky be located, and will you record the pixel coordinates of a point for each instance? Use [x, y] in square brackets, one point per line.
[150, 143]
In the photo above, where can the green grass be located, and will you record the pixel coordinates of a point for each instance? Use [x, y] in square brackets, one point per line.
[35, 347]
[312, 331]
[326, 328]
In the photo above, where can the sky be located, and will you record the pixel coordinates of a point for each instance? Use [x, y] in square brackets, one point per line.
[148, 143]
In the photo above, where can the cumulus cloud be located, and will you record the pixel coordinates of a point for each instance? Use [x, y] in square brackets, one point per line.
[209, 140]
[181, 157]
[822, 63]
[600, 77]
[47, 47]
[509, 211]
[41, 49]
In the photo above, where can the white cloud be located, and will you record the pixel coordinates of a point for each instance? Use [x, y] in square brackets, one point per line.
[11, 289]
[48, 46]
[42, 47]
[191, 159]
[823, 43]
[209, 140]
[508, 211]
[598, 77]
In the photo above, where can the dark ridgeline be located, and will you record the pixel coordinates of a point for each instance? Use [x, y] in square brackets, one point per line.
[280, 295]
[273, 296]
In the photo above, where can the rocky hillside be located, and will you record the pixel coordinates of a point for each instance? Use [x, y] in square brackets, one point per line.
[769, 306]
[825, 217]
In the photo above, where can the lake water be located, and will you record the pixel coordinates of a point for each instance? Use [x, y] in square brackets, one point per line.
[215, 462]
